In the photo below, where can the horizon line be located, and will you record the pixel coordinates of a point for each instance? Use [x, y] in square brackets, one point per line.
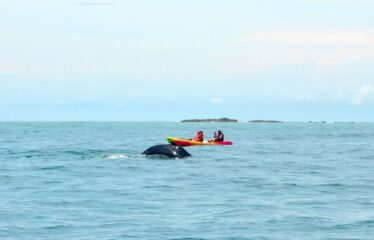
[177, 121]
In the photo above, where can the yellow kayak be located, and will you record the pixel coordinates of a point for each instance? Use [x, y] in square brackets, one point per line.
[189, 142]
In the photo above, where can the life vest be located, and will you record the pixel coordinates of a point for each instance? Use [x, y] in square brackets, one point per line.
[199, 137]
[220, 137]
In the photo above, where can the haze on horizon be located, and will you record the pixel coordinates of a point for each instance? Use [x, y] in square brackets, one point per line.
[171, 60]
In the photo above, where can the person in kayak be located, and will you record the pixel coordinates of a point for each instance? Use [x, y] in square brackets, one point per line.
[218, 136]
[199, 136]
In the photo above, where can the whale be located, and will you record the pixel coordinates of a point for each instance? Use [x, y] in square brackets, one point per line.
[167, 150]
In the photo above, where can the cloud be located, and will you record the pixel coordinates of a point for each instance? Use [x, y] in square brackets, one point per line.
[364, 93]
[96, 3]
[311, 37]
[216, 100]
[326, 50]
[308, 98]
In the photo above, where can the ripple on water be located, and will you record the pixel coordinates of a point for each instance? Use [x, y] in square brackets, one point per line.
[57, 167]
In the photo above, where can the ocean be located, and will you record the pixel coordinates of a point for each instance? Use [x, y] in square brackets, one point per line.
[88, 180]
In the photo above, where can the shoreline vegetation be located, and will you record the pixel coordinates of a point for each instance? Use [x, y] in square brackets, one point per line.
[229, 120]
[211, 120]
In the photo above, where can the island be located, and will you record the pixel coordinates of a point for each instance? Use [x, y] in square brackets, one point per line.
[211, 120]
[265, 121]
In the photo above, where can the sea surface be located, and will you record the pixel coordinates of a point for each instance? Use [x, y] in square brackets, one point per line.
[88, 180]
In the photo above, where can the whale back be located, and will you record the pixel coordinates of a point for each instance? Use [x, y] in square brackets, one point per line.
[167, 150]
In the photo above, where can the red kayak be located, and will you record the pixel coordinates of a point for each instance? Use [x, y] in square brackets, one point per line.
[189, 142]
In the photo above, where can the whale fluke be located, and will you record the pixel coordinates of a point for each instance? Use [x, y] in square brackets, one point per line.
[167, 150]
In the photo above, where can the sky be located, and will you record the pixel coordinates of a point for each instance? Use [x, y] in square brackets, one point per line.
[168, 60]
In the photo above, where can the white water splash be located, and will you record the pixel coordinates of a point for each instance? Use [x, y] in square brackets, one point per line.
[117, 156]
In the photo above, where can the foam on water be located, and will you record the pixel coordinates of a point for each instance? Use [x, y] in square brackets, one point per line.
[117, 156]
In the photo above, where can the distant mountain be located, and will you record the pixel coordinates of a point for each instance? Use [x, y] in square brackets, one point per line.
[211, 120]
[265, 121]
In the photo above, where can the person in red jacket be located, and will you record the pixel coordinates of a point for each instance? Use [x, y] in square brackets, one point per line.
[199, 136]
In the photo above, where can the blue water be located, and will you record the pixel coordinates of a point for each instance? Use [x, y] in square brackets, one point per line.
[278, 181]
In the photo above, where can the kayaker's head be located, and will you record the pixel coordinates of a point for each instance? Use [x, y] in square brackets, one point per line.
[219, 131]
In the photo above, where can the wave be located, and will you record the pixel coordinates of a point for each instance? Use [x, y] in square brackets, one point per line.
[52, 168]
